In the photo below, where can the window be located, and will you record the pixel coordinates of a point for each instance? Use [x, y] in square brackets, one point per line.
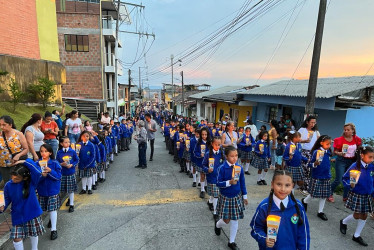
[202, 110]
[77, 43]
[273, 113]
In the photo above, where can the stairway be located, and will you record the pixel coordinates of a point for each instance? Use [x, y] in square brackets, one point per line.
[88, 107]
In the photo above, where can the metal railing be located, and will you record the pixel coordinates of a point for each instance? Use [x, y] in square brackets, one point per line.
[108, 22]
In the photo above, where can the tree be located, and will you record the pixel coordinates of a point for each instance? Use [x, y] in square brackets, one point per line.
[3, 73]
[368, 141]
[16, 94]
[43, 90]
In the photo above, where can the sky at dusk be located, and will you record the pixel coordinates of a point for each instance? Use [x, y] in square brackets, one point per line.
[347, 48]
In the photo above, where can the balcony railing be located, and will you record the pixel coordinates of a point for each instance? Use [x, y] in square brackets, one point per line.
[108, 22]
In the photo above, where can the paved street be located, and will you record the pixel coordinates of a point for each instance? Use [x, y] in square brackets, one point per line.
[157, 208]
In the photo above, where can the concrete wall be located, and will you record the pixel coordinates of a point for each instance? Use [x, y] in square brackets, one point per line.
[26, 71]
[47, 30]
[363, 119]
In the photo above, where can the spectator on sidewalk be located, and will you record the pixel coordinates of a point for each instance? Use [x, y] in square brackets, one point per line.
[74, 127]
[254, 131]
[50, 130]
[150, 126]
[34, 136]
[13, 147]
[142, 145]
[56, 115]
[105, 119]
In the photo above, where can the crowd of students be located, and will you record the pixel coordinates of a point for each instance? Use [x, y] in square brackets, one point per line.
[218, 158]
[38, 181]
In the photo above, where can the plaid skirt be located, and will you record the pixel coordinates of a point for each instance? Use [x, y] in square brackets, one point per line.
[247, 156]
[186, 155]
[320, 188]
[259, 163]
[212, 190]
[198, 169]
[68, 184]
[50, 203]
[359, 203]
[297, 173]
[87, 172]
[306, 169]
[100, 167]
[32, 228]
[230, 208]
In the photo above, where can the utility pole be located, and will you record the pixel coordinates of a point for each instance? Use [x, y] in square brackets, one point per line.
[140, 83]
[313, 78]
[172, 73]
[116, 62]
[182, 94]
[129, 91]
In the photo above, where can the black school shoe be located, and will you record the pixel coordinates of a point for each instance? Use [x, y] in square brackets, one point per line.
[233, 246]
[322, 216]
[71, 209]
[360, 241]
[89, 192]
[67, 203]
[259, 183]
[304, 204]
[151, 159]
[194, 184]
[216, 229]
[53, 235]
[215, 217]
[202, 195]
[191, 176]
[94, 187]
[210, 205]
[144, 166]
[343, 227]
[247, 173]
[83, 191]
[264, 182]
[199, 185]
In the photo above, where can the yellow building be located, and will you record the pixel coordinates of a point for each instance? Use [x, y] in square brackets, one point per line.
[236, 112]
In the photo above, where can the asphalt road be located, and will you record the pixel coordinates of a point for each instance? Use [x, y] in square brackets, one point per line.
[157, 208]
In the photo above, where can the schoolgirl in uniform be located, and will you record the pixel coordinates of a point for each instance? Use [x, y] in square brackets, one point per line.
[68, 180]
[245, 145]
[167, 134]
[26, 212]
[175, 140]
[199, 156]
[49, 187]
[293, 231]
[180, 149]
[320, 186]
[87, 162]
[115, 133]
[361, 192]
[186, 155]
[95, 141]
[293, 159]
[214, 152]
[233, 196]
[193, 143]
[261, 157]
[102, 162]
[171, 137]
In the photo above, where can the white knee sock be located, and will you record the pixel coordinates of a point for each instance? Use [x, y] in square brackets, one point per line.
[308, 199]
[220, 223]
[18, 245]
[233, 230]
[360, 226]
[348, 219]
[194, 177]
[53, 217]
[188, 166]
[89, 183]
[103, 174]
[206, 182]
[263, 175]
[34, 243]
[202, 186]
[215, 201]
[71, 199]
[112, 157]
[95, 178]
[210, 199]
[198, 177]
[259, 177]
[116, 148]
[246, 166]
[84, 183]
[321, 205]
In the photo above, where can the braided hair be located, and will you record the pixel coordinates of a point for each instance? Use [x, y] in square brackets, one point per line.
[278, 173]
[24, 173]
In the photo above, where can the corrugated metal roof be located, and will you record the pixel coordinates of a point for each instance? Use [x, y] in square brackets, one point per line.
[216, 91]
[326, 87]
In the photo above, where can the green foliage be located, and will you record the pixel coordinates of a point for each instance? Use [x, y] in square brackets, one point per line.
[16, 94]
[44, 90]
[3, 73]
[368, 141]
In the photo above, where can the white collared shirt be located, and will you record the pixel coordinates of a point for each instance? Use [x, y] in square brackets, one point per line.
[215, 152]
[364, 164]
[66, 150]
[277, 201]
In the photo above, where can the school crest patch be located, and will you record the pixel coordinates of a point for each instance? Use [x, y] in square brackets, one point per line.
[372, 173]
[295, 219]
[88, 153]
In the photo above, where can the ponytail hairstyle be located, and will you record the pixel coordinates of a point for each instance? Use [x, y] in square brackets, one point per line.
[23, 172]
[61, 140]
[34, 118]
[49, 149]
[262, 133]
[228, 124]
[362, 150]
[317, 145]
[8, 120]
[278, 173]
[292, 134]
[211, 145]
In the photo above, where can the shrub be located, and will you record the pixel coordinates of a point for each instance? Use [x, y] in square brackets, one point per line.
[16, 94]
[368, 141]
[44, 90]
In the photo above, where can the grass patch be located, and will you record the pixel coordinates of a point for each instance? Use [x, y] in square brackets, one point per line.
[339, 189]
[23, 112]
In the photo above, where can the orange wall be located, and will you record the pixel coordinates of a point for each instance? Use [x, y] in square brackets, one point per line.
[19, 29]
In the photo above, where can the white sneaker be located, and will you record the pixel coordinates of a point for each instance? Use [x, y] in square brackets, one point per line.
[304, 192]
